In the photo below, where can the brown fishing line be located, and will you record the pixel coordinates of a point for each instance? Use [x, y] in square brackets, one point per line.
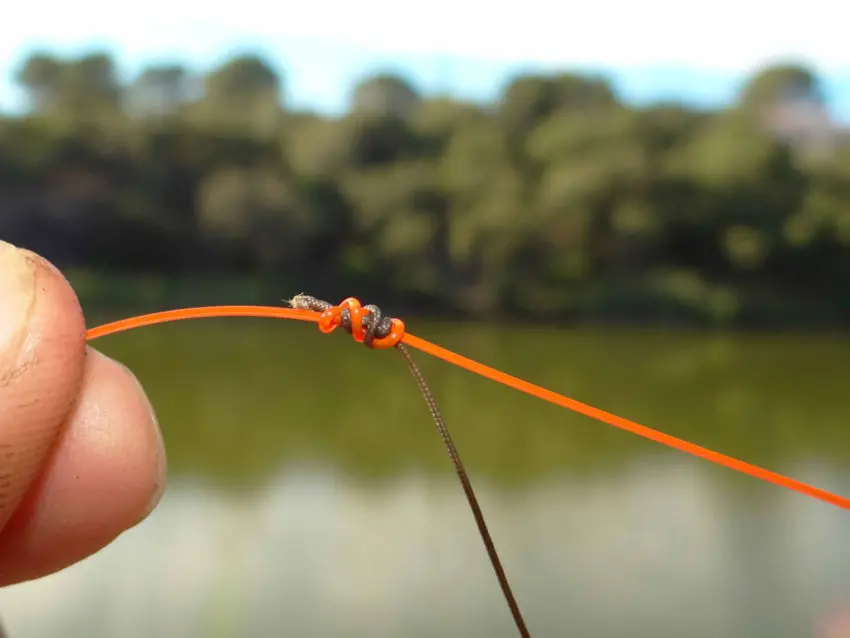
[375, 326]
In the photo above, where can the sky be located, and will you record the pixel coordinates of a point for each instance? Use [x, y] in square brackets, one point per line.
[652, 50]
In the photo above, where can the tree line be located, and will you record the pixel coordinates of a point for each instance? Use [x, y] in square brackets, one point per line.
[555, 201]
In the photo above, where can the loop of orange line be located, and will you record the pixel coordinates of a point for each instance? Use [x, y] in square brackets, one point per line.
[331, 319]
[489, 373]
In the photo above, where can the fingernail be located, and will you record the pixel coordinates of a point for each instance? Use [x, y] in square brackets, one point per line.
[161, 474]
[17, 294]
[161, 460]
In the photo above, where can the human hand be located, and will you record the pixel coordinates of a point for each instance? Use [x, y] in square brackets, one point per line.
[81, 455]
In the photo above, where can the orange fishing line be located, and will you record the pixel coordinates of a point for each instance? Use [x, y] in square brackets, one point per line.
[324, 319]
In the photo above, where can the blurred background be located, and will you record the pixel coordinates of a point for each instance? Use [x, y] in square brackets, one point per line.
[647, 218]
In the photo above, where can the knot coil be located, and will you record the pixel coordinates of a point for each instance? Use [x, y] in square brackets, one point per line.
[367, 324]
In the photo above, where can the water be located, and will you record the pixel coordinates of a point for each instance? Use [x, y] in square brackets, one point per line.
[310, 496]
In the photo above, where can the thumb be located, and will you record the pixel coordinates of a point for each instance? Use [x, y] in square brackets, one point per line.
[81, 455]
[42, 355]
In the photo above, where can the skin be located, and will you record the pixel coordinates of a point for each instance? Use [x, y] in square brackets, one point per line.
[81, 454]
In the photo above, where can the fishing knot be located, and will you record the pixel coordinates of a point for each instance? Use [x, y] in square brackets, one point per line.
[367, 324]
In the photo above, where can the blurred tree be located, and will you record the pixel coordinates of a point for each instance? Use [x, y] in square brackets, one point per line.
[529, 99]
[374, 141]
[384, 95]
[314, 146]
[90, 87]
[780, 84]
[160, 90]
[322, 148]
[242, 80]
[788, 102]
[244, 92]
[85, 87]
[41, 76]
[399, 211]
[556, 201]
[258, 215]
[436, 120]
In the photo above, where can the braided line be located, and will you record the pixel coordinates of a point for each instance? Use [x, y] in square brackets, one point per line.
[368, 325]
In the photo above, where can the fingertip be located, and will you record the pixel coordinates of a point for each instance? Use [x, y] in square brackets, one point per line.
[106, 474]
[42, 353]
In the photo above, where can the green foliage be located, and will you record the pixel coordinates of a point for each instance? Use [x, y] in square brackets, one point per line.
[557, 201]
[783, 83]
[384, 95]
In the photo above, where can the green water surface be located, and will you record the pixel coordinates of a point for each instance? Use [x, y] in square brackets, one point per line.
[310, 495]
